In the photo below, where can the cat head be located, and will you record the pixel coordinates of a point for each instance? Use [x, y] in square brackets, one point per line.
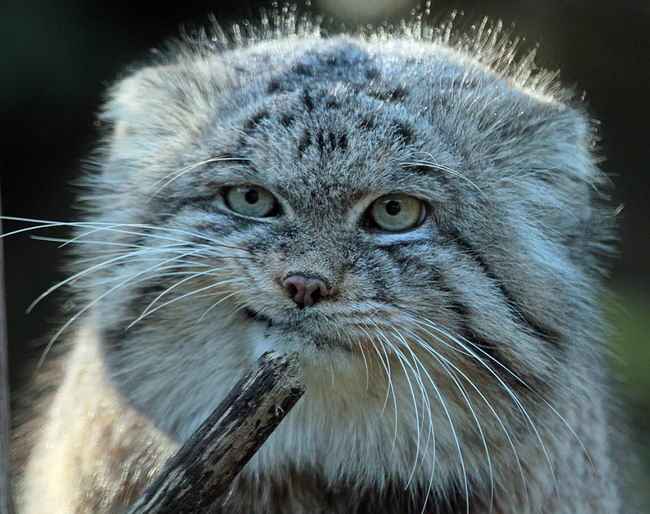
[398, 205]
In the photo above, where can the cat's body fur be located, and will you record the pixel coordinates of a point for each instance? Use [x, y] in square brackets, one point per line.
[500, 282]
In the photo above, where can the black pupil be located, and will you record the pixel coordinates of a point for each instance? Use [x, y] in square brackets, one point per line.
[393, 207]
[252, 196]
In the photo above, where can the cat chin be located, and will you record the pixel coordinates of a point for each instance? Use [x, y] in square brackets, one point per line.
[306, 339]
[312, 352]
[261, 345]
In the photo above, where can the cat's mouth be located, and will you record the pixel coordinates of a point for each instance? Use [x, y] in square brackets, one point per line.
[318, 336]
[262, 318]
[256, 316]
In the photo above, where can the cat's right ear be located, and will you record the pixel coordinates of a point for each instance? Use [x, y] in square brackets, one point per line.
[158, 109]
[137, 111]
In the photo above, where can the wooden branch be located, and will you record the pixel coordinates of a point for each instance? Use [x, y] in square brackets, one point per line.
[207, 463]
[5, 475]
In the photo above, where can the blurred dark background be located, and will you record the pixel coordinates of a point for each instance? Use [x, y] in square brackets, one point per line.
[57, 57]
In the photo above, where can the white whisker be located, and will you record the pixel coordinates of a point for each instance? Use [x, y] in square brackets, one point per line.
[183, 296]
[425, 398]
[216, 304]
[210, 271]
[112, 227]
[96, 300]
[389, 385]
[175, 175]
[445, 364]
[96, 267]
[506, 388]
[418, 424]
[441, 167]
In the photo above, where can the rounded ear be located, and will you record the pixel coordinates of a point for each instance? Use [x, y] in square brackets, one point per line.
[159, 106]
[140, 114]
[138, 103]
[548, 156]
[542, 146]
[542, 138]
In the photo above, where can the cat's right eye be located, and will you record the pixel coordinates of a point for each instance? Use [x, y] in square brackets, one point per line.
[251, 201]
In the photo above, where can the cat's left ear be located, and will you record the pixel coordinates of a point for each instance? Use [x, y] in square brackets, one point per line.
[544, 140]
[546, 158]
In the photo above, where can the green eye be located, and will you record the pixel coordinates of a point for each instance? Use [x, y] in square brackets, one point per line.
[396, 213]
[251, 201]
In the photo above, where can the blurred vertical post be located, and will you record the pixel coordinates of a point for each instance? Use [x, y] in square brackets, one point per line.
[5, 476]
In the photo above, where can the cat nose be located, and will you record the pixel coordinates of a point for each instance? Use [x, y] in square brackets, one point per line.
[305, 291]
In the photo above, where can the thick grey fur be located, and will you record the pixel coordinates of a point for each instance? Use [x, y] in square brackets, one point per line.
[454, 367]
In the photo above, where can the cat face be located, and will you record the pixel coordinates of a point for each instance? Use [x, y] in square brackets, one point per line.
[433, 212]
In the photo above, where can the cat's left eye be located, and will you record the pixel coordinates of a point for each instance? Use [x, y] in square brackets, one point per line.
[252, 201]
[396, 213]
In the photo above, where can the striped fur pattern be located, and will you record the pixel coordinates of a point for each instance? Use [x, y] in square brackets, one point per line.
[454, 367]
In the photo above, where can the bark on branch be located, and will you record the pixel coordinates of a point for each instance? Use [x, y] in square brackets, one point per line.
[207, 463]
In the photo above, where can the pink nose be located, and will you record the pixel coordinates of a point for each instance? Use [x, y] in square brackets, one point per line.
[305, 291]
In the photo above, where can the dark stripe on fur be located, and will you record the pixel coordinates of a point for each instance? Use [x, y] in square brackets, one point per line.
[486, 352]
[403, 132]
[287, 120]
[392, 95]
[332, 103]
[541, 332]
[367, 123]
[427, 171]
[487, 356]
[372, 73]
[274, 87]
[307, 100]
[253, 122]
[305, 141]
[320, 142]
[303, 69]
[113, 337]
